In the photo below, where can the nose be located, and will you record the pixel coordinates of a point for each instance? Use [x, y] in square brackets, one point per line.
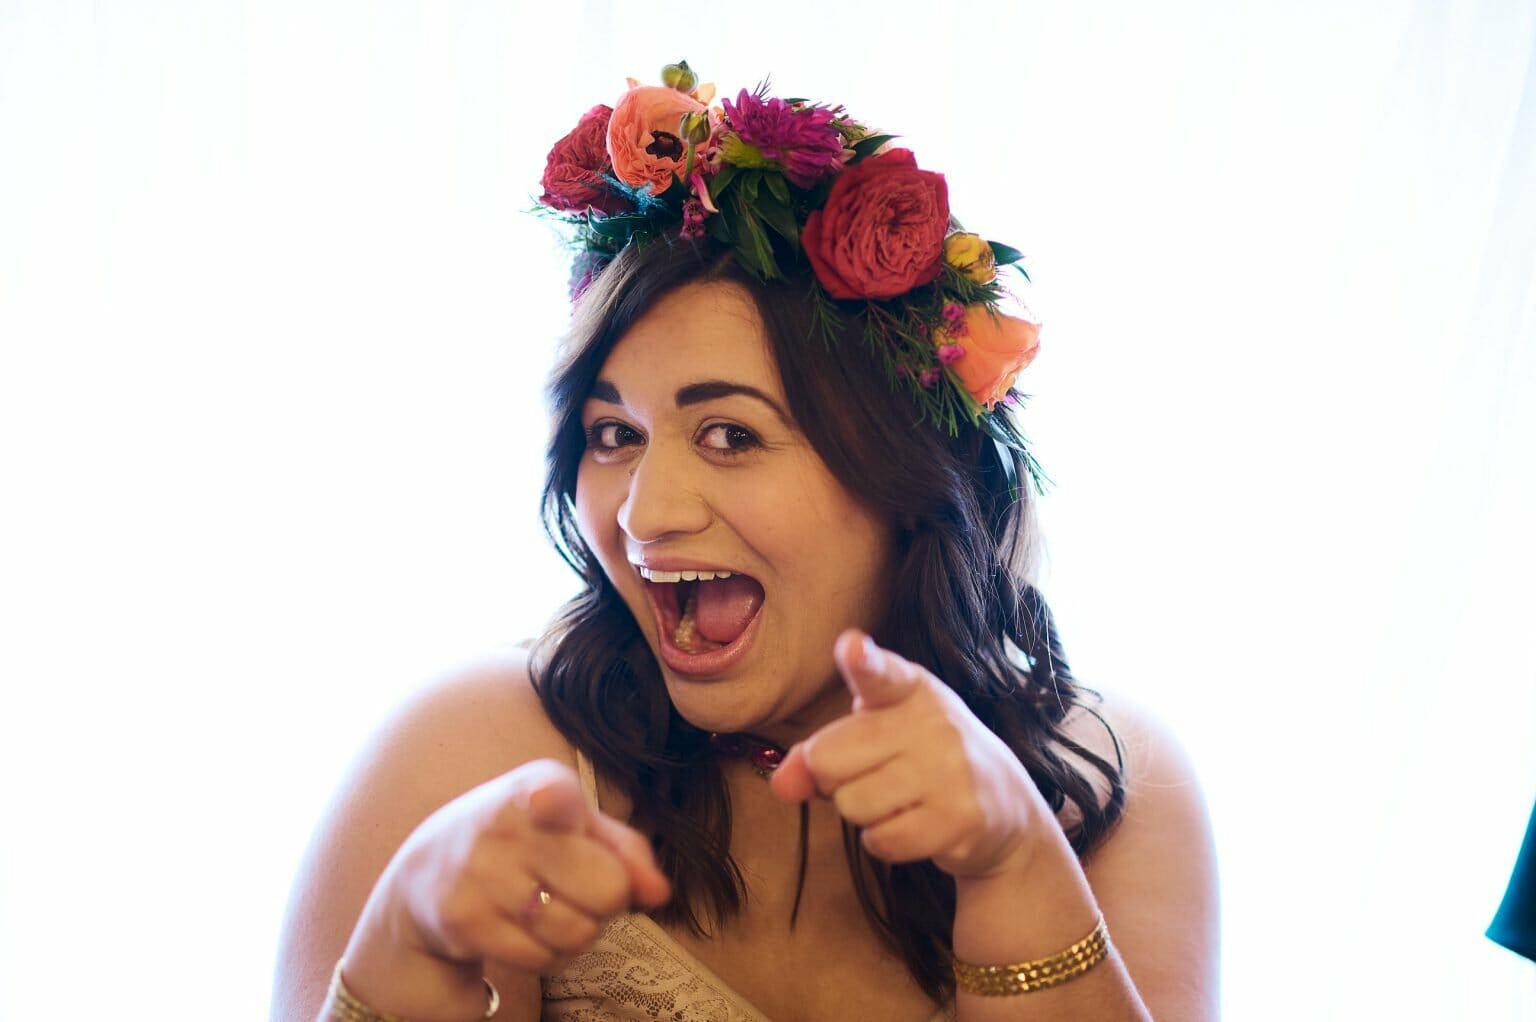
[665, 497]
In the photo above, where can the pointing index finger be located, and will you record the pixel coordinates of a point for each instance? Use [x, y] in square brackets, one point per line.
[876, 677]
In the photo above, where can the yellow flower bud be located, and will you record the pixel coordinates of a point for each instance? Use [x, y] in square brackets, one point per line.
[694, 127]
[679, 76]
[972, 256]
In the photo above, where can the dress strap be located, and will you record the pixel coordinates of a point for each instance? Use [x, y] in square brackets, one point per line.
[588, 778]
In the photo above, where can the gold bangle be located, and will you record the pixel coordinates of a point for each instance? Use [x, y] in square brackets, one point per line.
[1024, 977]
[342, 1005]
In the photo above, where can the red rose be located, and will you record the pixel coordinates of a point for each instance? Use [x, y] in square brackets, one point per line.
[573, 173]
[882, 230]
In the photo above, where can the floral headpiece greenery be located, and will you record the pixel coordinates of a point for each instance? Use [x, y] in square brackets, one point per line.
[785, 180]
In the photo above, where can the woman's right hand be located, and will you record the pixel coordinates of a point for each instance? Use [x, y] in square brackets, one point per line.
[519, 871]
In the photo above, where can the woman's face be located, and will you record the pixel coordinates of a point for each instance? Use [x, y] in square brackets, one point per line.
[693, 465]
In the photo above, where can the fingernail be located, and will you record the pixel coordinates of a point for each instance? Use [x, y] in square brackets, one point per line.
[868, 651]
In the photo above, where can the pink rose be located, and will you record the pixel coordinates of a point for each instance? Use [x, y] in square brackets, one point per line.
[643, 143]
[997, 348]
[881, 232]
[573, 172]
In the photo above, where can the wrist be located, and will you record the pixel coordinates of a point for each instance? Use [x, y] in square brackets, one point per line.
[1035, 904]
[342, 1004]
[394, 976]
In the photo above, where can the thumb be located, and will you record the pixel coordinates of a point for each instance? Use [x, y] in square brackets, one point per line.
[875, 676]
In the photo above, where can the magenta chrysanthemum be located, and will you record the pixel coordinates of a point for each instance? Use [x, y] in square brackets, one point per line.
[801, 139]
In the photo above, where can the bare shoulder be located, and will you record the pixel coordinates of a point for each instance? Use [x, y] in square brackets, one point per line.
[467, 727]
[1155, 875]
[1152, 761]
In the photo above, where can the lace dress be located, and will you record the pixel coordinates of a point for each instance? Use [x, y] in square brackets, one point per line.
[637, 972]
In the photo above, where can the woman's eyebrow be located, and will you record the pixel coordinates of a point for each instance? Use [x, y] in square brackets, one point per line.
[709, 390]
[602, 390]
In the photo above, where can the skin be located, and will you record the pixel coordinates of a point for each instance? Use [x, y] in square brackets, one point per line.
[421, 879]
[707, 483]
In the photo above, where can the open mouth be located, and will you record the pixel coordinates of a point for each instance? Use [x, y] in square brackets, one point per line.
[706, 618]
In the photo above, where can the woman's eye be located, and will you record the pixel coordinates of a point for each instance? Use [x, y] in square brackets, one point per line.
[726, 437]
[608, 436]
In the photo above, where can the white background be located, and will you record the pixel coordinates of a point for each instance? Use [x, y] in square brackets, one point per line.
[273, 323]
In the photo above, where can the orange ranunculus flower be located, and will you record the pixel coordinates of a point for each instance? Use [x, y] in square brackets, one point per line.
[997, 349]
[643, 144]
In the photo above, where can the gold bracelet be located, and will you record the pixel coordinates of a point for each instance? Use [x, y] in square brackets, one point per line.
[342, 1005]
[1003, 980]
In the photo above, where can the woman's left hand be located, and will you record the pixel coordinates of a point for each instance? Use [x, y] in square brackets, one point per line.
[917, 771]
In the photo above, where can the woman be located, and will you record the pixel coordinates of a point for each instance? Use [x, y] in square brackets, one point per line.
[805, 746]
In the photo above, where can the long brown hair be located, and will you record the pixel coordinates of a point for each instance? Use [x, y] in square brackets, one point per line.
[961, 605]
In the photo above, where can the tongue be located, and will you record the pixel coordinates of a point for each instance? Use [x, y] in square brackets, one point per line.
[725, 606]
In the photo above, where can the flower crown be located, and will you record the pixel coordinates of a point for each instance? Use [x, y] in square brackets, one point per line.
[783, 180]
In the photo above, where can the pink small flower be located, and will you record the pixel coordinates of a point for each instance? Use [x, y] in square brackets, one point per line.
[693, 220]
[954, 318]
[930, 376]
[949, 354]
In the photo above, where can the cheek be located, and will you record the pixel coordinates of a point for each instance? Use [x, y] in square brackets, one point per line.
[595, 517]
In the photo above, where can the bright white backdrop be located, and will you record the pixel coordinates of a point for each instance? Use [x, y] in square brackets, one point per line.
[272, 327]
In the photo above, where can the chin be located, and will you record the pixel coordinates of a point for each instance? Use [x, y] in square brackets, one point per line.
[715, 706]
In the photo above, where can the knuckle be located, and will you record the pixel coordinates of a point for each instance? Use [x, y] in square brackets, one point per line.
[610, 890]
[879, 843]
[480, 864]
[522, 953]
[632, 843]
[578, 933]
[845, 802]
[459, 918]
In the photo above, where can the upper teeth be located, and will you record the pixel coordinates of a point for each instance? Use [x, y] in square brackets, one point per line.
[652, 575]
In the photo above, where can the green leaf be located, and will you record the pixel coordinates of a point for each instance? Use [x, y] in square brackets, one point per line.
[778, 215]
[754, 245]
[721, 181]
[718, 229]
[749, 181]
[777, 187]
[867, 146]
[1005, 254]
[619, 227]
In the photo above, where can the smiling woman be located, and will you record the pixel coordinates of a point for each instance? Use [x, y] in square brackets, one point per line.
[785, 469]
[698, 467]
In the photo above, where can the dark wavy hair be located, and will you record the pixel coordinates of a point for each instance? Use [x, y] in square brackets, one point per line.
[961, 605]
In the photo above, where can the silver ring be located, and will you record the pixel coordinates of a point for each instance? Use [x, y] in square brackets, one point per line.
[536, 903]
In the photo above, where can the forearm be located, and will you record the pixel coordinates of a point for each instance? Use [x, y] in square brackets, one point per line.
[1033, 912]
